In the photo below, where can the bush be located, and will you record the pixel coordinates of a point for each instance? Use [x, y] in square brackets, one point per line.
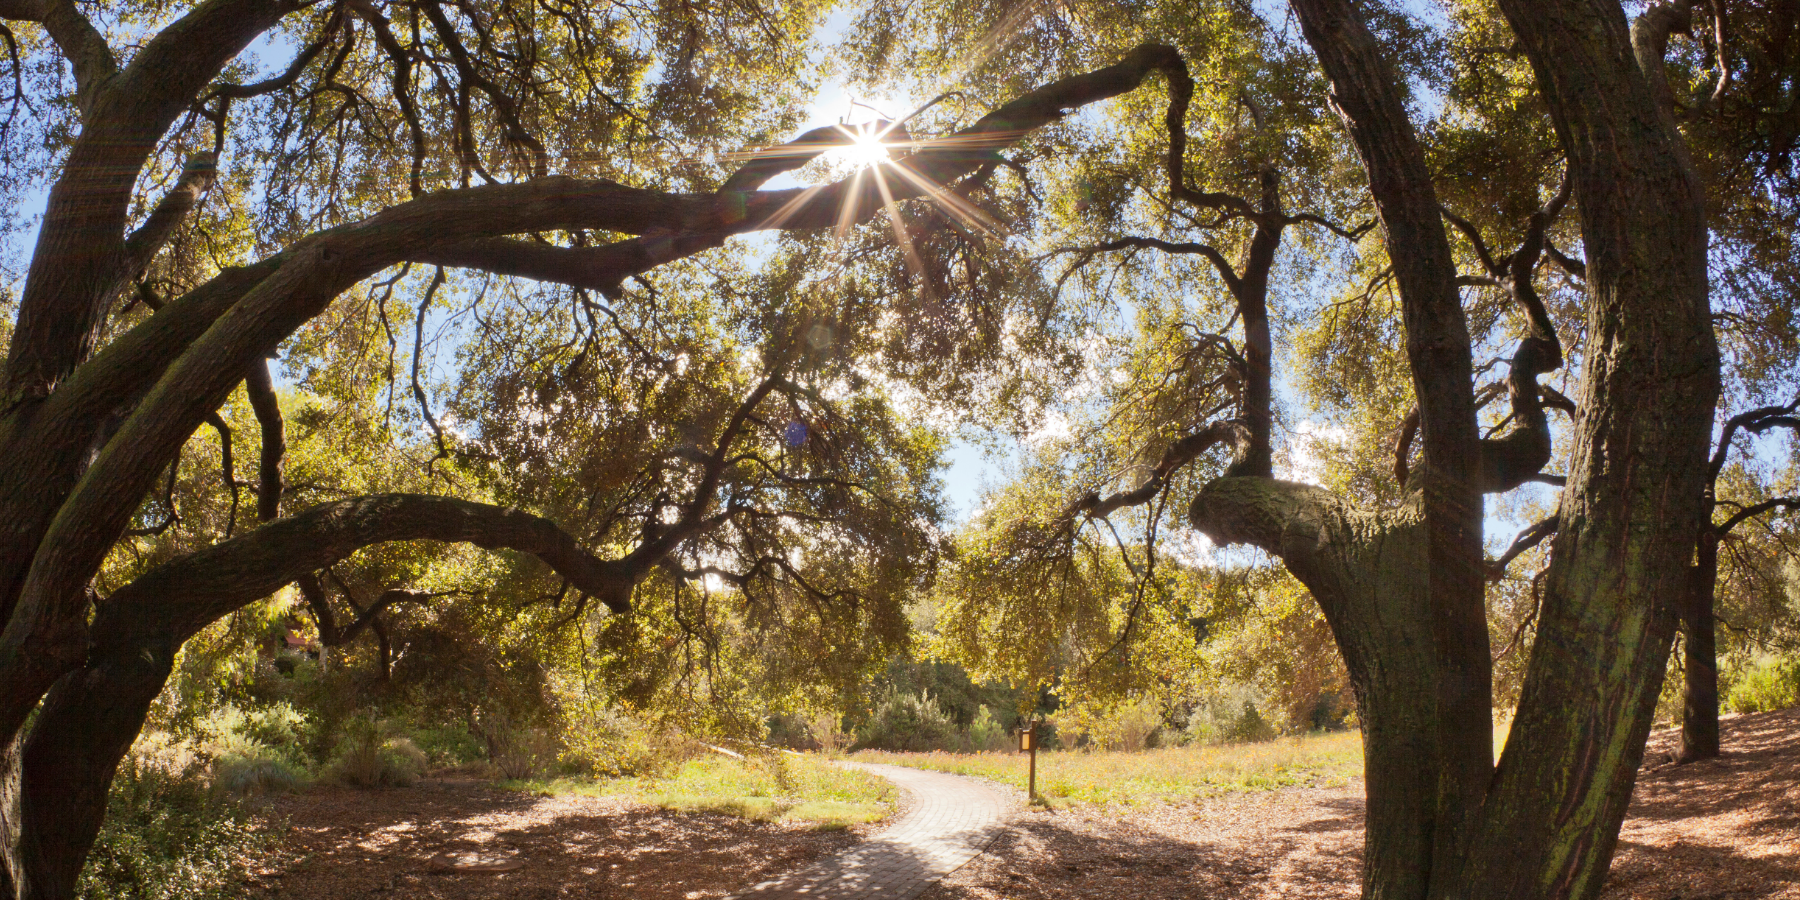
[1248, 726]
[166, 835]
[254, 752]
[909, 723]
[1770, 683]
[368, 757]
[250, 776]
[521, 753]
[449, 745]
[1124, 727]
[1232, 718]
[612, 745]
[986, 734]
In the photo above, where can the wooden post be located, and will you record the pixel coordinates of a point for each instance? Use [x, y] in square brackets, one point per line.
[1034, 768]
[1028, 743]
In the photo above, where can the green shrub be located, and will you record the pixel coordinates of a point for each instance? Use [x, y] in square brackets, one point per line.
[255, 751]
[1232, 718]
[368, 757]
[909, 723]
[168, 836]
[1248, 726]
[449, 745]
[986, 733]
[250, 776]
[1770, 683]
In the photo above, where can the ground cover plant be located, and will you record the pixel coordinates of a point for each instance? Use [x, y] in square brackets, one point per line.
[169, 834]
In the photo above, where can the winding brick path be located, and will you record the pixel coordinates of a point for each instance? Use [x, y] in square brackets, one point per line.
[951, 821]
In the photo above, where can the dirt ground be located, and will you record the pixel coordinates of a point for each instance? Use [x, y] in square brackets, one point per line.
[1727, 829]
[459, 839]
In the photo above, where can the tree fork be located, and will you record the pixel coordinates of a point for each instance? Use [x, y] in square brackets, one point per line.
[90, 717]
[1632, 505]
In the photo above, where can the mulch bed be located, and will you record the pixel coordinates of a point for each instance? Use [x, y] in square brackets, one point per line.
[457, 840]
[1725, 829]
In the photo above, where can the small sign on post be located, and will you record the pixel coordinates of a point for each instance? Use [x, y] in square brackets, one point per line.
[1028, 744]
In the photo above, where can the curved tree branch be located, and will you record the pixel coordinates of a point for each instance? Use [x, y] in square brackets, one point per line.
[1532, 536]
[189, 591]
[1754, 510]
[1180, 453]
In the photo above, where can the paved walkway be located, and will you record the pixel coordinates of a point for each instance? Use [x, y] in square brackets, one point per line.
[951, 821]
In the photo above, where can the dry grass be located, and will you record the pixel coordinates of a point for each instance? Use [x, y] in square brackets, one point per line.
[1079, 778]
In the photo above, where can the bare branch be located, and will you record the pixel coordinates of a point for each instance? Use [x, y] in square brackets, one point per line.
[1523, 541]
[1349, 234]
[1409, 429]
[503, 104]
[1211, 254]
[280, 82]
[1569, 264]
[769, 162]
[437, 431]
[1469, 231]
[227, 468]
[81, 44]
[1757, 420]
[192, 590]
[1754, 510]
[267, 408]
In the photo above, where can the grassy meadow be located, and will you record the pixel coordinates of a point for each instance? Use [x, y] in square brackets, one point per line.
[786, 787]
[1081, 778]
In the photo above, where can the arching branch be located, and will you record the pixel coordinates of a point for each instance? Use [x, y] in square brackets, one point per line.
[1756, 420]
[189, 591]
[1206, 251]
[1754, 510]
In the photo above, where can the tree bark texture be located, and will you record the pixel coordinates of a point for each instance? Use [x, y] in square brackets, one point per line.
[1369, 573]
[1700, 656]
[1633, 501]
[1366, 92]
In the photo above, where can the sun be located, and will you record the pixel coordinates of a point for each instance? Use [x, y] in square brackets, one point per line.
[865, 146]
[866, 150]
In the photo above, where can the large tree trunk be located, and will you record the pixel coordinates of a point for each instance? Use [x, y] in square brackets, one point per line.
[1458, 683]
[82, 731]
[1700, 663]
[1369, 573]
[1633, 502]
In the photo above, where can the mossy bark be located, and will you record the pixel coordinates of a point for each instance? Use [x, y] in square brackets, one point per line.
[1369, 573]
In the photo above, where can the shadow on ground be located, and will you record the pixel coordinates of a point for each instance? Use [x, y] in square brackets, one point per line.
[1726, 829]
[1307, 841]
[408, 844]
